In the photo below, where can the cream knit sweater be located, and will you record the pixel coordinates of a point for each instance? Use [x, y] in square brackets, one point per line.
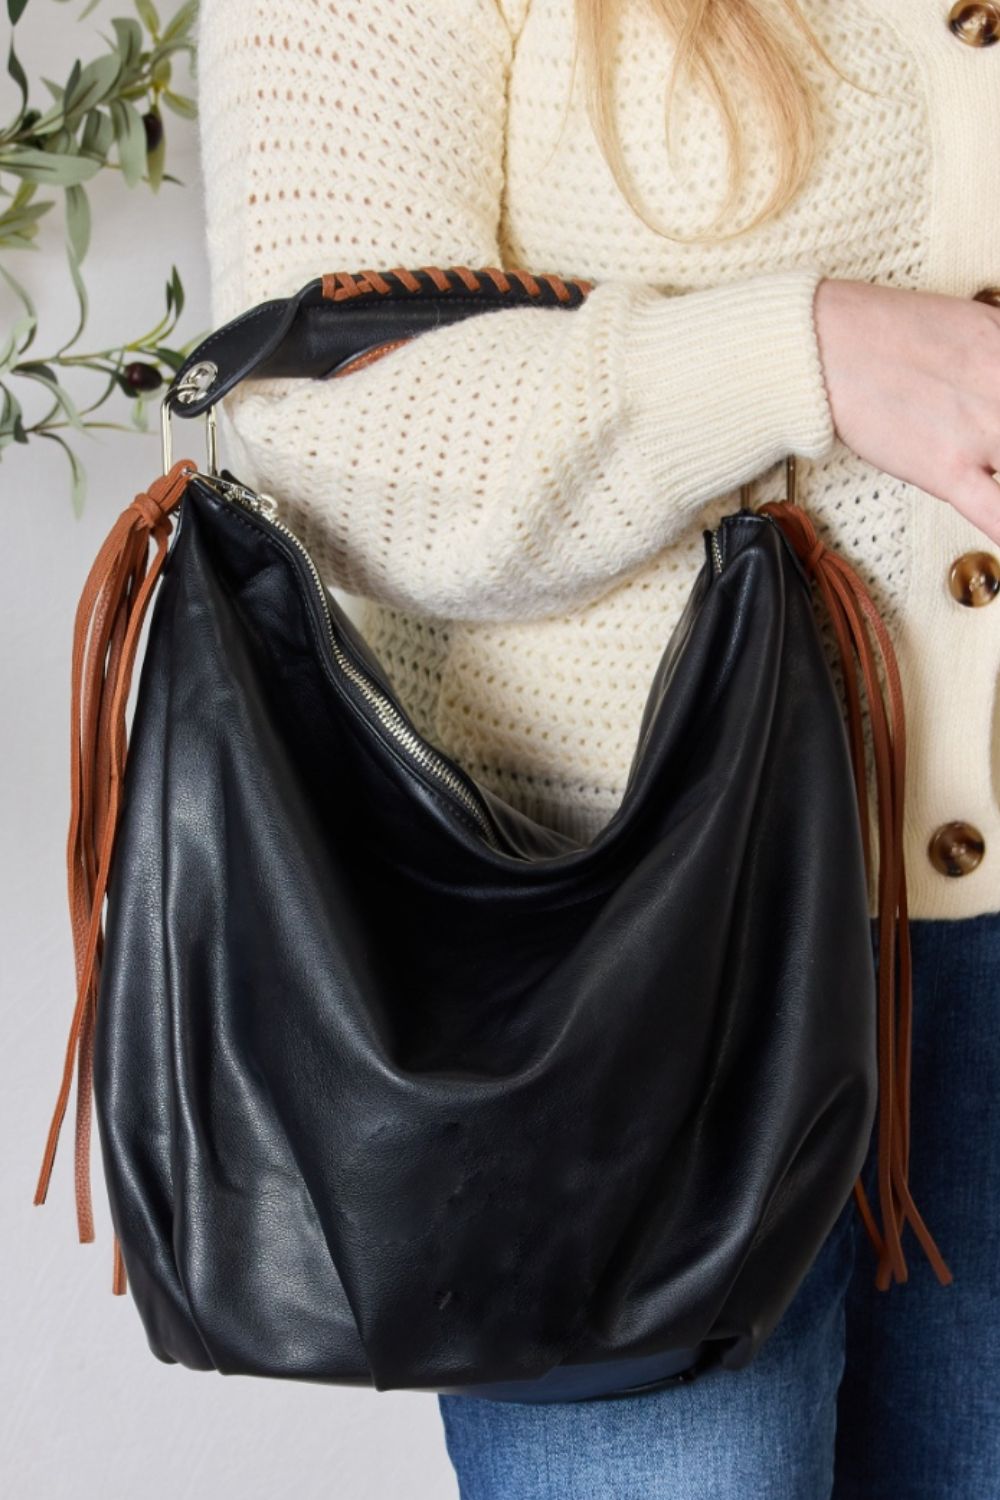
[517, 501]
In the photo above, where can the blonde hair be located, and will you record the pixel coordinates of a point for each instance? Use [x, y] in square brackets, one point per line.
[711, 37]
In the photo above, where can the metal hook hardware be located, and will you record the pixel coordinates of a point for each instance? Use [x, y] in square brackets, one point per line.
[196, 381]
[791, 479]
[791, 485]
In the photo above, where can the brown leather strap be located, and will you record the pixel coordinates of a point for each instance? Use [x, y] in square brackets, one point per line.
[850, 604]
[106, 631]
[369, 356]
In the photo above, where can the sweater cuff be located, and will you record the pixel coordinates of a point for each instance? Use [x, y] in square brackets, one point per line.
[722, 383]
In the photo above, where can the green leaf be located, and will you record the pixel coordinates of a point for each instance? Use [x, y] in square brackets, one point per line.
[15, 9]
[56, 90]
[19, 222]
[131, 137]
[175, 292]
[180, 21]
[78, 221]
[19, 292]
[95, 83]
[147, 13]
[43, 374]
[129, 34]
[38, 367]
[98, 134]
[168, 357]
[32, 312]
[180, 104]
[81, 297]
[25, 192]
[72, 83]
[12, 346]
[11, 420]
[47, 166]
[18, 74]
[78, 477]
[139, 413]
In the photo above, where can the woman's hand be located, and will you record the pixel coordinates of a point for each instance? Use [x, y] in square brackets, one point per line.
[914, 384]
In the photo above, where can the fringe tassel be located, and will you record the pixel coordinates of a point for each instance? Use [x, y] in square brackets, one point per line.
[108, 621]
[850, 604]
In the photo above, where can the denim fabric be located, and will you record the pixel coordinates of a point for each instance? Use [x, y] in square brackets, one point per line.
[857, 1394]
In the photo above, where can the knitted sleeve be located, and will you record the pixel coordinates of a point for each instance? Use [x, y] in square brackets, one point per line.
[517, 463]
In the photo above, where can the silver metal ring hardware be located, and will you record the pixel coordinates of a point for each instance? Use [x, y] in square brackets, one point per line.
[195, 382]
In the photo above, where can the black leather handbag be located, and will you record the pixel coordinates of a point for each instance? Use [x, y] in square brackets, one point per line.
[399, 1087]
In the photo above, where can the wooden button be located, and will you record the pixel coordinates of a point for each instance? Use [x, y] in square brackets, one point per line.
[974, 578]
[988, 294]
[956, 848]
[977, 24]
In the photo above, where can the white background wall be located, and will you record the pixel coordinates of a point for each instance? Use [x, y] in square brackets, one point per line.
[86, 1411]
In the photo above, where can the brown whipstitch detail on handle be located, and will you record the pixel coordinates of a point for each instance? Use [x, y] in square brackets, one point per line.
[339, 286]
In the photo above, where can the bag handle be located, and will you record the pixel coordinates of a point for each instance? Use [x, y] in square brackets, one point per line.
[340, 321]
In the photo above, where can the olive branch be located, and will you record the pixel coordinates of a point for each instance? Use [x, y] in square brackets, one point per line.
[108, 116]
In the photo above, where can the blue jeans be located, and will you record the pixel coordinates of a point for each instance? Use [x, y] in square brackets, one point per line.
[858, 1394]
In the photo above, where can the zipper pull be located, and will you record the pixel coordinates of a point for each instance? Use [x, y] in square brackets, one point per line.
[241, 494]
[257, 500]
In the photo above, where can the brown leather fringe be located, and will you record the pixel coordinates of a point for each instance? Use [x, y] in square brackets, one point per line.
[108, 621]
[850, 605]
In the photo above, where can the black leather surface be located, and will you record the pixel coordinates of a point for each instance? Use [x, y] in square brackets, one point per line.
[382, 1104]
[309, 336]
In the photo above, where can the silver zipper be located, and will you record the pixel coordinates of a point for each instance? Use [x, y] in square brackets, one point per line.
[388, 715]
[716, 550]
